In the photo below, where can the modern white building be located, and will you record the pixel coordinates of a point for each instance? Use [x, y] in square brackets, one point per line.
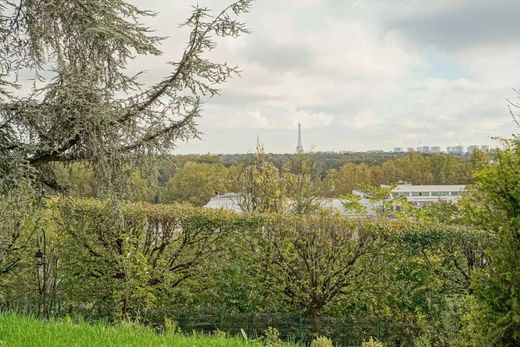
[421, 195]
[417, 195]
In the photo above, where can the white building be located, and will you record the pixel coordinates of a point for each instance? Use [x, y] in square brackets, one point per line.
[423, 149]
[417, 195]
[421, 195]
[229, 201]
[456, 149]
[232, 201]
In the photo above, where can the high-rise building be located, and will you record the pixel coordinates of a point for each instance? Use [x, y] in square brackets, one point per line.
[398, 150]
[472, 148]
[456, 149]
[484, 148]
[299, 147]
[435, 149]
[423, 149]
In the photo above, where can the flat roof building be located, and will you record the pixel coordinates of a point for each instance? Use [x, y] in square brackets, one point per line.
[421, 195]
[456, 149]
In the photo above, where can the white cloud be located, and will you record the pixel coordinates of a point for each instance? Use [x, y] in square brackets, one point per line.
[255, 119]
[353, 73]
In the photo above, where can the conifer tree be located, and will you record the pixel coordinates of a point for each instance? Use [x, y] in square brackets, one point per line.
[84, 106]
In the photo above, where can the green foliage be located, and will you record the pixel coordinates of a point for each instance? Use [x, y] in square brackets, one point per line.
[443, 212]
[372, 343]
[302, 177]
[312, 259]
[261, 186]
[121, 258]
[20, 218]
[197, 183]
[321, 341]
[140, 262]
[382, 205]
[302, 184]
[413, 168]
[85, 106]
[220, 334]
[172, 327]
[272, 337]
[494, 204]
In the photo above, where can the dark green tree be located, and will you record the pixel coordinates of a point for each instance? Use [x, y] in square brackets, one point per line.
[84, 105]
[494, 204]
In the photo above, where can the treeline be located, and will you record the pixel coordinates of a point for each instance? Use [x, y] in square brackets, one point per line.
[195, 179]
[324, 160]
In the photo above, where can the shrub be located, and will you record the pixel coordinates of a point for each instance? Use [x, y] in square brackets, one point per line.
[220, 334]
[171, 326]
[321, 341]
[272, 337]
[372, 343]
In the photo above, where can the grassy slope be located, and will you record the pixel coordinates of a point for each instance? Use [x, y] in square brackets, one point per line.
[16, 331]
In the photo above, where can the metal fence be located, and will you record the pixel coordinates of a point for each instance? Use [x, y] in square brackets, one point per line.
[344, 331]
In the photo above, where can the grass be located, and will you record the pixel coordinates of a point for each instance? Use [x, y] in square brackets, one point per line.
[18, 331]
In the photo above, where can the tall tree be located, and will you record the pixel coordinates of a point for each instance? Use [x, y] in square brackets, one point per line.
[313, 259]
[261, 186]
[303, 184]
[84, 105]
[494, 205]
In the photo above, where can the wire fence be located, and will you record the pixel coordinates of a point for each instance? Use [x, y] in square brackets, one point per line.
[344, 331]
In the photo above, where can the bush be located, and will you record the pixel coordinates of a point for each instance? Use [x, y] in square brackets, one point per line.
[272, 337]
[171, 326]
[321, 341]
[372, 343]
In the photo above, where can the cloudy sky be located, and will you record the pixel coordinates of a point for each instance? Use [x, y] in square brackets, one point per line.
[357, 74]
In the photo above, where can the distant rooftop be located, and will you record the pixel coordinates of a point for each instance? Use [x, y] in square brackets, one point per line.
[406, 187]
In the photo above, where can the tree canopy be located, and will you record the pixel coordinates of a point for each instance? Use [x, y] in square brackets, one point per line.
[83, 104]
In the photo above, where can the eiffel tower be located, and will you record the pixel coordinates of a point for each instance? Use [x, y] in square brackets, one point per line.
[299, 147]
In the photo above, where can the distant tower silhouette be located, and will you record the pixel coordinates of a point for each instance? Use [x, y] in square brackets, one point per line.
[259, 146]
[299, 147]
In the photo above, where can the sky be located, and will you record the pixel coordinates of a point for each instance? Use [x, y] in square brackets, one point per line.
[358, 74]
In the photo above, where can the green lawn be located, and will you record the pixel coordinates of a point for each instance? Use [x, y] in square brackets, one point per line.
[28, 332]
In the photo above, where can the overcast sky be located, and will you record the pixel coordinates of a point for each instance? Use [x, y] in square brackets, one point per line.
[357, 74]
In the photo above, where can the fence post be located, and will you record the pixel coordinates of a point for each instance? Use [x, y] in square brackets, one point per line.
[220, 319]
[379, 328]
[300, 326]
